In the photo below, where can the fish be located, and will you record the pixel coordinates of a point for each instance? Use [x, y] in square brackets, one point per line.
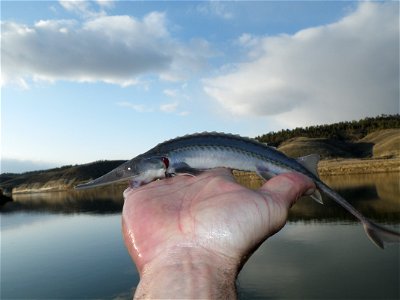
[194, 153]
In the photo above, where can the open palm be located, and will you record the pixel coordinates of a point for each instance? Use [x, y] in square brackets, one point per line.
[210, 213]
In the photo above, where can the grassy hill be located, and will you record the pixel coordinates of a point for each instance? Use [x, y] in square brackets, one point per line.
[326, 148]
[386, 143]
[379, 144]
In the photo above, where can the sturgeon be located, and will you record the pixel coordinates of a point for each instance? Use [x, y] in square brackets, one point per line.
[192, 154]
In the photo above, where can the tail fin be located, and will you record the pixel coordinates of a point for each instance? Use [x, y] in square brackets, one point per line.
[380, 235]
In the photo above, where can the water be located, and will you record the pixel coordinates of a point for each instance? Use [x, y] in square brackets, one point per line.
[69, 246]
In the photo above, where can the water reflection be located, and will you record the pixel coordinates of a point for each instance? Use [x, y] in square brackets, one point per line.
[68, 256]
[321, 261]
[105, 200]
[69, 245]
[376, 196]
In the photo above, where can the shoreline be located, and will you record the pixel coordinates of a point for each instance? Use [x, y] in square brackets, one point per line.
[350, 166]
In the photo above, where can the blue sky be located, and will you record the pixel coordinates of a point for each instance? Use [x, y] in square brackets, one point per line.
[88, 80]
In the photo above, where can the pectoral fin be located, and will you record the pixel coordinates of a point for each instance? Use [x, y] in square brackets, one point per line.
[317, 197]
[265, 173]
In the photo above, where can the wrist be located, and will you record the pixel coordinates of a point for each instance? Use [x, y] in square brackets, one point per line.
[188, 272]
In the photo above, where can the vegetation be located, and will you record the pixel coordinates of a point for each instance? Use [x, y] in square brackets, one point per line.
[343, 131]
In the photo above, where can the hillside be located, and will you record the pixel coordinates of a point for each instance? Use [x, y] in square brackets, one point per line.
[386, 143]
[342, 131]
[379, 144]
[377, 152]
[55, 179]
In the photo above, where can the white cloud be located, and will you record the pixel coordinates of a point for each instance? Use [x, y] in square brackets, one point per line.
[342, 71]
[106, 3]
[246, 39]
[112, 49]
[190, 59]
[184, 113]
[85, 8]
[215, 8]
[74, 6]
[169, 107]
[171, 93]
[141, 108]
[81, 7]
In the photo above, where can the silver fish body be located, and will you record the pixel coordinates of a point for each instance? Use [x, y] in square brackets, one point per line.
[194, 153]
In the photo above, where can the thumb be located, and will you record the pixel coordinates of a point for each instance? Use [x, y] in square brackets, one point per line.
[288, 187]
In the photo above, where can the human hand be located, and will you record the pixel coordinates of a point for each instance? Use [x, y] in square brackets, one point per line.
[208, 222]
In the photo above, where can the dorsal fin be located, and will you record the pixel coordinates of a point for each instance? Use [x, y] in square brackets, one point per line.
[310, 162]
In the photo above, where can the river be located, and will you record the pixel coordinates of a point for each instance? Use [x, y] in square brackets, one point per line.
[68, 245]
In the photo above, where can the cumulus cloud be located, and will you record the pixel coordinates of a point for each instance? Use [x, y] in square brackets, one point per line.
[112, 49]
[341, 71]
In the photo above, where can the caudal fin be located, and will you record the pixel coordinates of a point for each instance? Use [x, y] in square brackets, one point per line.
[380, 235]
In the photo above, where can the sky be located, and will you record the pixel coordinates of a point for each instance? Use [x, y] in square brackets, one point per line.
[83, 81]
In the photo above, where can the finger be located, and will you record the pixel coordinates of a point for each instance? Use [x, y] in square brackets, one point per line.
[289, 187]
[127, 192]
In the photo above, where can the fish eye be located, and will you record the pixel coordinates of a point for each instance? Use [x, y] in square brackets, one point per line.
[165, 160]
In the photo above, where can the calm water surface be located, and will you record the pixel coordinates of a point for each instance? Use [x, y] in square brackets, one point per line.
[69, 246]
